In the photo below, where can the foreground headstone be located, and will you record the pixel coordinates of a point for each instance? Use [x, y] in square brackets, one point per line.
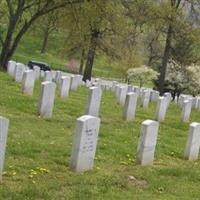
[4, 123]
[11, 68]
[84, 144]
[28, 82]
[186, 110]
[193, 142]
[46, 101]
[94, 101]
[64, 86]
[147, 142]
[19, 71]
[130, 106]
[161, 108]
[48, 76]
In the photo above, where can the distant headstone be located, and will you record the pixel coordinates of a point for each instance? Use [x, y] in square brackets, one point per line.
[64, 86]
[147, 142]
[181, 99]
[161, 108]
[42, 73]
[198, 104]
[94, 101]
[194, 101]
[186, 110]
[46, 101]
[48, 76]
[88, 83]
[19, 71]
[193, 142]
[154, 96]
[58, 75]
[122, 95]
[130, 106]
[11, 68]
[145, 99]
[114, 83]
[28, 82]
[36, 70]
[84, 144]
[74, 82]
[130, 89]
[137, 90]
[4, 123]
[168, 97]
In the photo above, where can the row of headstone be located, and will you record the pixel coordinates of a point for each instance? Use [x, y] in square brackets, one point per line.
[86, 137]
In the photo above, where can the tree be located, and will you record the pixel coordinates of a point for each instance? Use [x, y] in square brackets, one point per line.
[21, 15]
[142, 74]
[177, 20]
[48, 25]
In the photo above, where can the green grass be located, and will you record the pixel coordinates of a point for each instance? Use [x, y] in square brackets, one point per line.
[29, 49]
[35, 143]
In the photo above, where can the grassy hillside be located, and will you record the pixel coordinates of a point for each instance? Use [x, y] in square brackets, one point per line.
[30, 46]
[38, 152]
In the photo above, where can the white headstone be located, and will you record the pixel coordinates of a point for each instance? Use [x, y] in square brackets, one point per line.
[137, 90]
[130, 106]
[28, 82]
[147, 142]
[74, 83]
[19, 71]
[154, 96]
[114, 83]
[193, 142]
[186, 110]
[11, 68]
[36, 70]
[145, 99]
[168, 97]
[64, 86]
[198, 104]
[58, 75]
[42, 73]
[46, 101]
[48, 76]
[122, 95]
[94, 101]
[130, 89]
[84, 144]
[4, 123]
[161, 108]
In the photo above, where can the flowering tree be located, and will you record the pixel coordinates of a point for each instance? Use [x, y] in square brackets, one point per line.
[176, 78]
[142, 74]
[193, 74]
[181, 79]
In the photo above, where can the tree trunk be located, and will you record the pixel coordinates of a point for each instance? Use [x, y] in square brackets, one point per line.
[6, 47]
[45, 40]
[91, 54]
[165, 60]
[82, 61]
